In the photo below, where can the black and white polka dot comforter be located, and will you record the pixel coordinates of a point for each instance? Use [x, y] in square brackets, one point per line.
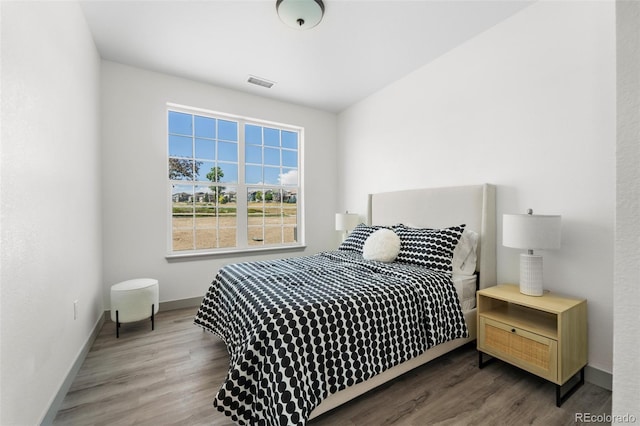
[302, 328]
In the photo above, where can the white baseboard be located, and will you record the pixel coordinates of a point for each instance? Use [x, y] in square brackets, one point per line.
[55, 405]
[598, 377]
[192, 302]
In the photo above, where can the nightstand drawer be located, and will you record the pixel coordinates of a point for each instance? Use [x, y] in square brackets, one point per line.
[535, 353]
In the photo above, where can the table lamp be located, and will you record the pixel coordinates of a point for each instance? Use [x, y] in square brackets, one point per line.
[531, 232]
[345, 222]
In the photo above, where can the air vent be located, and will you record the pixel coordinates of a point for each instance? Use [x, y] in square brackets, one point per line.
[260, 81]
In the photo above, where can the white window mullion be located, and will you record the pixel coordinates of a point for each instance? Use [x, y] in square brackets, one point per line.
[193, 182]
[300, 190]
[241, 199]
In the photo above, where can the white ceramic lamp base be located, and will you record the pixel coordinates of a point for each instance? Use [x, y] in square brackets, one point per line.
[531, 274]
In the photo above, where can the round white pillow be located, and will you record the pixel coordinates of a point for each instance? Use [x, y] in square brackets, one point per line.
[383, 245]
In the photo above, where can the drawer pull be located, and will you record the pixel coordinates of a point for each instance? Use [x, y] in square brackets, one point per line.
[513, 330]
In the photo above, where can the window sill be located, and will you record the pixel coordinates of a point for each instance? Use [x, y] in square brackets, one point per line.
[230, 253]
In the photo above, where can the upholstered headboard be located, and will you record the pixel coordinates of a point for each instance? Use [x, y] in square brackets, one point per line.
[473, 205]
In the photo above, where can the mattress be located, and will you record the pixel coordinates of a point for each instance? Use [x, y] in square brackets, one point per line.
[466, 288]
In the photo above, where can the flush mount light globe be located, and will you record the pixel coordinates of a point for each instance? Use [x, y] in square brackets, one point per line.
[300, 14]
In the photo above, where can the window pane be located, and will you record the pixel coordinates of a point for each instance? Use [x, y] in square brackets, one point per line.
[227, 209]
[227, 151]
[272, 157]
[181, 169]
[205, 220]
[180, 123]
[273, 235]
[227, 130]
[289, 139]
[255, 236]
[253, 154]
[255, 218]
[227, 216]
[253, 174]
[289, 215]
[182, 236]
[272, 214]
[289, 158]
[228, 172]
[227, 199]
[182, 195]
[182, 217]
[272, 208]
[273, 196]
[253, 134]
[227, 237]
[206, 238]
[205, 200]
[271, 137]
[208, 172]
[290, 199]
[255, 195]
[205, 127]
[205, 149]
[255, 206]
[272, 175]
[180, 146]
[290, 234]
[289, 177]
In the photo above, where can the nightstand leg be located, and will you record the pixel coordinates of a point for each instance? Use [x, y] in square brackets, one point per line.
[560, 399]
[481, 363]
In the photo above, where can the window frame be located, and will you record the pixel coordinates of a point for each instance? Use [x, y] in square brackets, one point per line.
[242, 228]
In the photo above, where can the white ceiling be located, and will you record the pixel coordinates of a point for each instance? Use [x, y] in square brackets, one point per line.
[359, 47]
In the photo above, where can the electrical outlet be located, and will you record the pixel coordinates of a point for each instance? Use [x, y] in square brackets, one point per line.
[75, 309]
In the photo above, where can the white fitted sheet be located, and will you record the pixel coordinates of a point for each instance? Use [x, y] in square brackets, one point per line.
[466, 288]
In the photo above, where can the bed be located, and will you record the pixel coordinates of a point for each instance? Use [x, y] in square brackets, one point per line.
[308, 334]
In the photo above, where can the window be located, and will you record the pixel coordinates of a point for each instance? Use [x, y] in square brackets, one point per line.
[234, 183]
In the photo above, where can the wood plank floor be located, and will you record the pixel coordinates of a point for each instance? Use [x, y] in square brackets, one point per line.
[170, 376]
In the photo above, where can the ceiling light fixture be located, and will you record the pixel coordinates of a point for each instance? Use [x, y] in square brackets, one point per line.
[300, 14]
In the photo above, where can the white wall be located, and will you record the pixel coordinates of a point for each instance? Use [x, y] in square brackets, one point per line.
[134, 163]
[50, 171]
[529, 105]
[626, 349]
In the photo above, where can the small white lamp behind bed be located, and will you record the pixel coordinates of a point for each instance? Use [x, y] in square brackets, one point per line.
[345, 222]
[531, 232]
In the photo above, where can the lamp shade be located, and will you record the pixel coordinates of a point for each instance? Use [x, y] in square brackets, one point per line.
[531, 232]
[346, 221]
[300, 14]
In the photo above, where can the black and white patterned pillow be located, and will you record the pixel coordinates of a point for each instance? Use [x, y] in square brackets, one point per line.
[356, 239]
[431, 248]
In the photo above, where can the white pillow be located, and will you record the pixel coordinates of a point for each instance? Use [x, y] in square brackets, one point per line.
[464, 255]
[383, 245]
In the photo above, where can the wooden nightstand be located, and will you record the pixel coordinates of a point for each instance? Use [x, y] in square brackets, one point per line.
[545, 335]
